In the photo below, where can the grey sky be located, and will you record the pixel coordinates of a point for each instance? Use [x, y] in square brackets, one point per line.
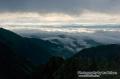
[62, 6]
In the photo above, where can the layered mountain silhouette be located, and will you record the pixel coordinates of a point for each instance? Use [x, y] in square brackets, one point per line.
[100, 58]
[36, 50]
[30, 58]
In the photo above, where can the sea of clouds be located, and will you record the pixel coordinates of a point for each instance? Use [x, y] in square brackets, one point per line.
[73, 36]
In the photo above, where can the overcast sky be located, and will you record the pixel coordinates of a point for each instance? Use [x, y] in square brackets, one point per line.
[64, 6]
[68, 8]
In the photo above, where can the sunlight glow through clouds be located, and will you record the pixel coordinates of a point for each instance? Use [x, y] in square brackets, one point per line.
[46, 22]
[37, 18]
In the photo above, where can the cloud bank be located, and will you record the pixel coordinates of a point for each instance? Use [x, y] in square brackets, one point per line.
[36, 11]
[71, 37]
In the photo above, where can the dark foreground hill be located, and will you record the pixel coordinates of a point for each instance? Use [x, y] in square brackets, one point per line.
[16, 54]
[37, 50]
[100, 58]
[13, 66]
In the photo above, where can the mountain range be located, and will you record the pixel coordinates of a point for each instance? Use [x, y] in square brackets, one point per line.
[37, 50]
[31, 58]
[104, 58]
